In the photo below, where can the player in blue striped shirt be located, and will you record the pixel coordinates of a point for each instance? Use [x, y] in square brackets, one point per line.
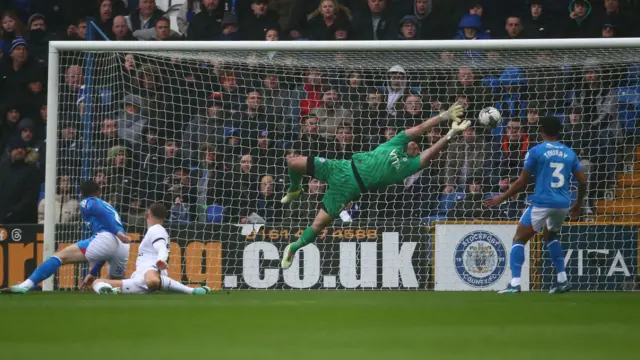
[109, 242]
[551, 165]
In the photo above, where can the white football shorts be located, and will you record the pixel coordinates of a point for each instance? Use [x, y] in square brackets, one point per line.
[136, 284]
[537, 217]
[105, 246]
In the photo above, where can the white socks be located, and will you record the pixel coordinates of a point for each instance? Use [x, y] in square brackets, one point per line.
[99, 285]
[168, 284]
[137, 287]
[27, 284]
[562, 277]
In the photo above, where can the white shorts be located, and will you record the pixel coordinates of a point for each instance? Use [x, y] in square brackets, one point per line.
[105, 246]
[537, 217]
[136, 284]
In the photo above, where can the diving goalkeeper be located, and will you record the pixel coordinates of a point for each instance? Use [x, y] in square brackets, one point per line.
[388, 164]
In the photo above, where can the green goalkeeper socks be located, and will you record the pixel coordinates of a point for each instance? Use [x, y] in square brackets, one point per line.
[307, 238]
[294, 180]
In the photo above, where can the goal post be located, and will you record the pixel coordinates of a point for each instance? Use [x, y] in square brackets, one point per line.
[206, 127]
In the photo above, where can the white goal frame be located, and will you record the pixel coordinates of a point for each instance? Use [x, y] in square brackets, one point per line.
[55, 47]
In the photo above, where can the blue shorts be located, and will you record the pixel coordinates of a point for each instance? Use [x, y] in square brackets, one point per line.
[84, 244]
[537, 217]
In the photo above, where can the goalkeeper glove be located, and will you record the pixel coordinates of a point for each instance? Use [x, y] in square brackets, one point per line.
[454, 113]
[457, 128]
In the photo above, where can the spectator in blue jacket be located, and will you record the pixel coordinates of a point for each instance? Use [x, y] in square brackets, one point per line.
[10, 28]
[470, 28]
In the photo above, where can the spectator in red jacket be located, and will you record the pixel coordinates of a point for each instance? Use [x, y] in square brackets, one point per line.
[310, 93]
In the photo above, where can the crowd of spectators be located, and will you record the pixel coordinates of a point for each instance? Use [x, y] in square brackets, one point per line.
[212, 140]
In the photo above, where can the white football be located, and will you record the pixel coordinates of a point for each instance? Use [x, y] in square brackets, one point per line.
[489, 117]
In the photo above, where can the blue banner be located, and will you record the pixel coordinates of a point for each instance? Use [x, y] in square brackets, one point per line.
[597, 257]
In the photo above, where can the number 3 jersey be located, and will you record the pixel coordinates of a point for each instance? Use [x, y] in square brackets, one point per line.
[154, 247]
[551, 164]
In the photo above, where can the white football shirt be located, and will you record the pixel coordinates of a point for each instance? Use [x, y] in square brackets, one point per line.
[148, 253]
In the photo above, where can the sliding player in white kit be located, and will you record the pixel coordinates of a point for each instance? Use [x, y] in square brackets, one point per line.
[151, 266]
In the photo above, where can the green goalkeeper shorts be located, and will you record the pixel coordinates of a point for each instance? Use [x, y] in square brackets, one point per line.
[342, 186]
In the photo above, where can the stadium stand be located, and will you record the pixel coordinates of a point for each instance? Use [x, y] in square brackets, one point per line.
[142, 144]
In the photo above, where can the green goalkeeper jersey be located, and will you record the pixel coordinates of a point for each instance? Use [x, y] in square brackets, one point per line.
[387, 164]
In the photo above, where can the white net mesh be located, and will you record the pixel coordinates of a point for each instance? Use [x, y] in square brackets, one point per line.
[208, 134]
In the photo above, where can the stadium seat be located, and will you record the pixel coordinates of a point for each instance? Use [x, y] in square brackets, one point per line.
[447, 201]
[628, 106]
[106, 96]
[618, 219]
[215, 214]
[491, 82]
[41, 196]
[633, 76]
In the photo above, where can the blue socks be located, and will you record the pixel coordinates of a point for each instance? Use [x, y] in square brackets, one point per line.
[556, 254]
[46, 269]
[516, 260]
[95, 270]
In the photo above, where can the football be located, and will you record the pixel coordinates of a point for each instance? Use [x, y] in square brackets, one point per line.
[489, 117]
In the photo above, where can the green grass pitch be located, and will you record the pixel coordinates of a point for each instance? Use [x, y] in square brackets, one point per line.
[320, 325]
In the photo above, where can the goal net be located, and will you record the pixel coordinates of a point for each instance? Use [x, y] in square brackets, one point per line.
[207, 129]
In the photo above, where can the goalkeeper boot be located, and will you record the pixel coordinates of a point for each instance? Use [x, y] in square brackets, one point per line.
[292, 195]
[287, 258]
[510, 290]
[560, 287]
[200, 291]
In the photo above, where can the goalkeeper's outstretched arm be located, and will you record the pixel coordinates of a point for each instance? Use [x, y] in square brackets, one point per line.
[452, 114]
[429, 154]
